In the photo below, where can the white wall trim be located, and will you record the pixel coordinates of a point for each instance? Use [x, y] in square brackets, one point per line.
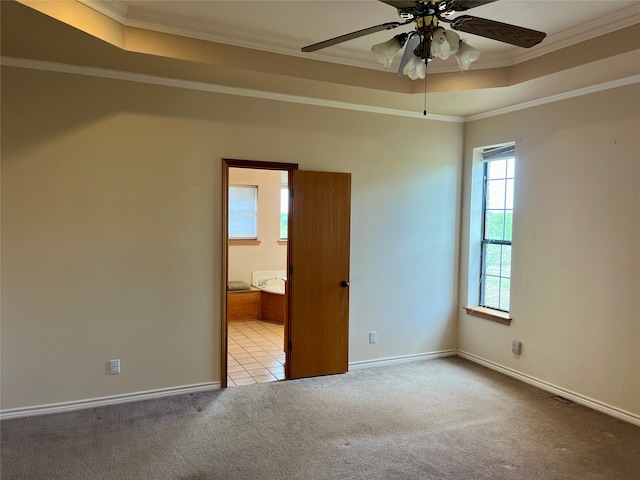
[556, 98]
[114, 9]
[118, 11]
[401, 359]
[556, 390]
[105, 401]
[182, 390]
[203, 387]
[604, 25]
[213, 88]
[245, 92]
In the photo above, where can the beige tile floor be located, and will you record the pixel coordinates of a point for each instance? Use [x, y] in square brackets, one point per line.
[255, 353]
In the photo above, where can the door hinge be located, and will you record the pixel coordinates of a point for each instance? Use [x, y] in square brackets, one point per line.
[290, 269]
[291, 193]
[289, 345]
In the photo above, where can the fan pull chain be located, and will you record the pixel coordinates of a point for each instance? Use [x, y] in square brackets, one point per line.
[425, 94]
[426, 55]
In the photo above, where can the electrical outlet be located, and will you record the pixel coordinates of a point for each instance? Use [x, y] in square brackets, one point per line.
[114, 366]
[373, 337]
[516, 347]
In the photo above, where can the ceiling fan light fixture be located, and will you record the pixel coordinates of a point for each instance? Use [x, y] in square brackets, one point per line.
[428, 40]
[385, 51]
[465, 55]
[415, 68]
[444, 43]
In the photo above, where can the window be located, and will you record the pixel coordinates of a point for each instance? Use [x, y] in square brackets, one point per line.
[284, 206]
[243, 212]
[284, 213]
[497, 212]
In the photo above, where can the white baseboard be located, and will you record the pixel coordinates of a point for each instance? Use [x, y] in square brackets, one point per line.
[401, 359]
[549, 387]
[104, 401]
[202, 387]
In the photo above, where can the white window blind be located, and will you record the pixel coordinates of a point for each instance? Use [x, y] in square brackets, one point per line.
[243, 212]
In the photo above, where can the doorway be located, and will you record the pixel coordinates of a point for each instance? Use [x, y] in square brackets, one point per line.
[254, 271]
[316, 317]
[257, 252]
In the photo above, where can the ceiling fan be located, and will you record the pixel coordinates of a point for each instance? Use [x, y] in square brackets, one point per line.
[429, 39]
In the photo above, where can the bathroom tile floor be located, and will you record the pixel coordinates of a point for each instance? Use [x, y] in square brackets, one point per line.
[255, 353]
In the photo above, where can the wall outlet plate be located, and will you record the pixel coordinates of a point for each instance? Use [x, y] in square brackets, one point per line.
[516, 347]
[373, 337]
[114, 366]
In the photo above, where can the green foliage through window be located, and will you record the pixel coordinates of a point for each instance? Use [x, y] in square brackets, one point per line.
[284, 213]
[284, 225]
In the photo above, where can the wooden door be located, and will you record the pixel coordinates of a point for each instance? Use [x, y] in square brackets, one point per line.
[317, 335]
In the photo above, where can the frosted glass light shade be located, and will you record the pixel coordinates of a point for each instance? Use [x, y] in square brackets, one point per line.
[415, 68]
[465, 55]
[385, 51]
[444, 43]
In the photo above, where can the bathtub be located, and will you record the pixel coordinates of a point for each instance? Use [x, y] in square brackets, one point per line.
[274, 286]
[273, 300]
[270, 281]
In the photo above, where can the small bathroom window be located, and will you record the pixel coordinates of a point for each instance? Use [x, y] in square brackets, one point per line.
[284, 205]
[243, 212]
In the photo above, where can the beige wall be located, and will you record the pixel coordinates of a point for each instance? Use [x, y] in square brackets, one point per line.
[576, 246]
[269, 255]
[111, 223]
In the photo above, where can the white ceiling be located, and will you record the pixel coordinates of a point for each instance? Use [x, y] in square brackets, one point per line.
[286, 26]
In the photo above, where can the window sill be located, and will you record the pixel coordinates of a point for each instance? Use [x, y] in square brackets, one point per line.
[282, 242]
[243, 242]
[489, 314]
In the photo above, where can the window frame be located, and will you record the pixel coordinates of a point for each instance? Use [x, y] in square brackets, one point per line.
[482, 156]
[485, 242]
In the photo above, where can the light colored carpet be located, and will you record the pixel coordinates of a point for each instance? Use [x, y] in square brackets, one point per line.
[435, 419]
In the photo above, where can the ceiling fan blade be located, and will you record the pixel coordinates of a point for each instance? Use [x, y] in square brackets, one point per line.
[502, 32]
[462, 5]
[409, 47]
[352, 35]
[400, 4]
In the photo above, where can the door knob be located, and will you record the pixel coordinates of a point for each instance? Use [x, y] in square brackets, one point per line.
[344, 283]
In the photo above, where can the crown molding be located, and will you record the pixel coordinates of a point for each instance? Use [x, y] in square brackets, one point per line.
[117, 10]
[244, 92]
[556, 98]
[214, 88]
[581, 33]
[114, 9]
